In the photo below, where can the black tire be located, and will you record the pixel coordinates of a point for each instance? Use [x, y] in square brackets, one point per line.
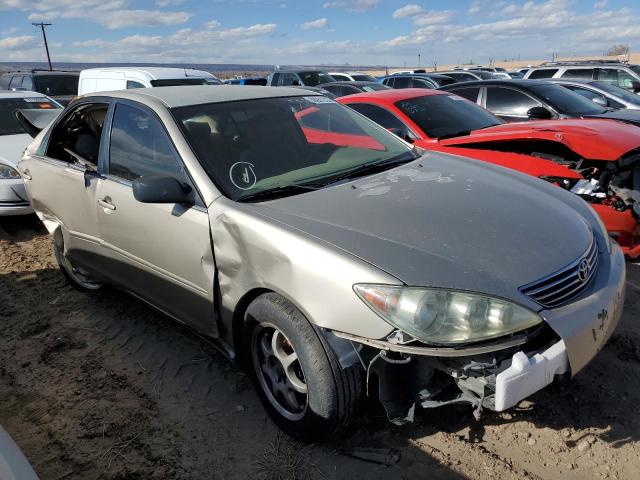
[75, 278]
[334, 393]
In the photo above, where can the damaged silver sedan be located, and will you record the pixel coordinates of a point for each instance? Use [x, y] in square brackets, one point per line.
[330, 256]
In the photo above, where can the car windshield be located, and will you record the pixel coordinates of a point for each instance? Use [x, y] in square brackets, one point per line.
[565, 101]
[485, 75]
[9, 124]
[441, 116]
[311, 79]
[363, 77]
[56, 84]
[175, 82]
[618, 92]
[374, 87]
[254, 147]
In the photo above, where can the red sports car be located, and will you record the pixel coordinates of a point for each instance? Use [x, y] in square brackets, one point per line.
[596, 159]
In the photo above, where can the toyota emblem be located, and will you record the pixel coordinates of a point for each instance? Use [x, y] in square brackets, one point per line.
[583, 271]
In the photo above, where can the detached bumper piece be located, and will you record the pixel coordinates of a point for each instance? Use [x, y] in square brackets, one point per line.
[527, 375]
[495, 380]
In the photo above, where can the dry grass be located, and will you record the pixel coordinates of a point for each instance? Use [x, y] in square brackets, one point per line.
[285, 459]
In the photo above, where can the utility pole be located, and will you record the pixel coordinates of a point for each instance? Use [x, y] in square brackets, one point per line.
[46, 45]
[418, 60]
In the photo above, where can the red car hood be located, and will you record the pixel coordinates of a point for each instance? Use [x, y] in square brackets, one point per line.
[590, 138]
[534, 166]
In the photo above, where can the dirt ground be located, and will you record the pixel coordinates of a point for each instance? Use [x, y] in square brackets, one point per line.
[102, 387]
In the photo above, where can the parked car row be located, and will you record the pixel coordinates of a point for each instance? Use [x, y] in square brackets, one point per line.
[451, 278]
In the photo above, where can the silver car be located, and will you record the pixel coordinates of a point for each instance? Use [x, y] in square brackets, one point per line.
[324, 252]
[13, 140]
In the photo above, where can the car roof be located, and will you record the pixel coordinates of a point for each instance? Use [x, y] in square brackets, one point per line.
[21, 94]
[357, 83]
[525, 84]
[41, 72]
[396, 94]
[156, 73]
[186, 95]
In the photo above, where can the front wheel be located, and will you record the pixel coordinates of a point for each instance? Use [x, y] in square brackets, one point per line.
[297, 375]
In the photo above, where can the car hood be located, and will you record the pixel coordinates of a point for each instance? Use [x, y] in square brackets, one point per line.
[444, 221]
[593, 139]
[12, 146]
[624, 115]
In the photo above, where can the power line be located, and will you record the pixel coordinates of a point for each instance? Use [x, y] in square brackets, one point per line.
[46, 45]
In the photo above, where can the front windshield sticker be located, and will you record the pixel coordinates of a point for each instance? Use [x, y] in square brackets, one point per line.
[35, 100]
[242, 175]
[319, 99]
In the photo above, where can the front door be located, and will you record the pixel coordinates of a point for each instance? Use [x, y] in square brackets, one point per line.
[160, 252]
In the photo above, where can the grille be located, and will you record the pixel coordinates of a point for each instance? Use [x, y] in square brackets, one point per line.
[566, 284]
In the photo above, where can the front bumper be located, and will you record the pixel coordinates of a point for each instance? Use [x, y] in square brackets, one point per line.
[13, 198]
[498, 376]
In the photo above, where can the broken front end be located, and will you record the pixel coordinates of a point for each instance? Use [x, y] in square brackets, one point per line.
[495, 374]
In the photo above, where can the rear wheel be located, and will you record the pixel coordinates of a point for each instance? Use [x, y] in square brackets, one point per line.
[76, 276]
[297, 375]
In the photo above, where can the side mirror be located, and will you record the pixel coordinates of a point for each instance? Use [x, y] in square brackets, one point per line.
[539, 113]
[161, 189]
[600, 101]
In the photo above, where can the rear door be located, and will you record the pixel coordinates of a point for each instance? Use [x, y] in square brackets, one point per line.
[160, 252]
[62, 178]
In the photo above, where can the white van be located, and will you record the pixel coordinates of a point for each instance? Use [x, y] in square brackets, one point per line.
[121, 78]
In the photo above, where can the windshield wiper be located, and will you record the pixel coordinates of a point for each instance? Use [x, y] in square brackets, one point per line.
[277, 192]
[374, 167]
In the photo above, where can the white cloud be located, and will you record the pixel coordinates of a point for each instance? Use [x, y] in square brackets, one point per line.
[407, 11]
[142, 18]
[112, 14]
[21, 42]
[319, 23]
[600, 5]
[353, 5]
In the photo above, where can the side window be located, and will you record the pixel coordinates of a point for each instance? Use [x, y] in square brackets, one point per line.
[401, 82]
[389, 82]
[287, 79]
[140, 146]
[505, 101]
[588, 94]
[27, 82]
[420, 83]
[76, 139]
[382, 117]
[15, 82]
[617, 77]
[275, 79]
[470, 93]
[132, 84]
[349, 90]
[584, 73]
[544, 73]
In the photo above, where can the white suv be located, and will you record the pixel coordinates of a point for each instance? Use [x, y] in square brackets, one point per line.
[620, 75]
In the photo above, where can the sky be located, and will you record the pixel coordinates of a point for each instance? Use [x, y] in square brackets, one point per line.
[360, 32]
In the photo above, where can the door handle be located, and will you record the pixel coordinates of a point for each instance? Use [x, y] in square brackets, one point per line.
[106, 203]
[27, 175]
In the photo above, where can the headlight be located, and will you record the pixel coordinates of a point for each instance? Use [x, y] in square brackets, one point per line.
[446, 317]
[7, 172]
